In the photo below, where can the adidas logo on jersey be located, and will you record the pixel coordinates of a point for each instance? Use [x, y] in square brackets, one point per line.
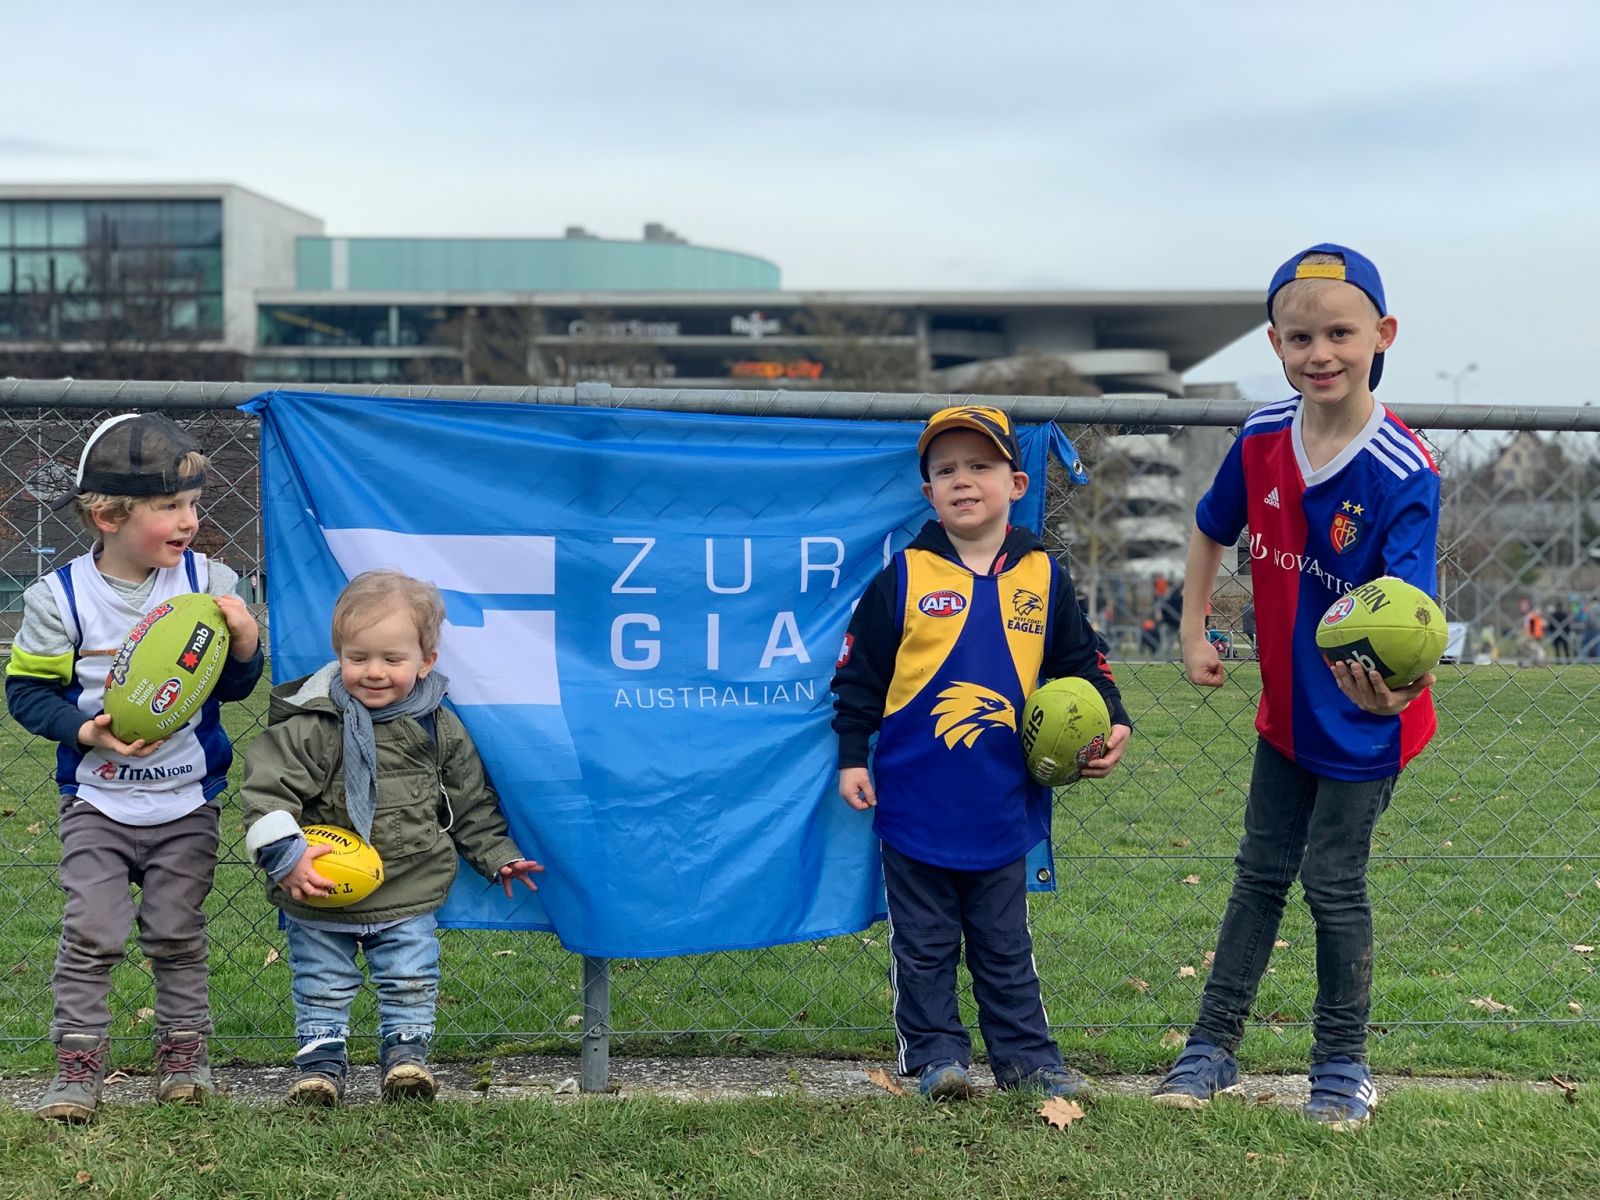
[1272, 499]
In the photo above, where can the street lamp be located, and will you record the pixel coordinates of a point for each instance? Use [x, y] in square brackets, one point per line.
[1455, 380]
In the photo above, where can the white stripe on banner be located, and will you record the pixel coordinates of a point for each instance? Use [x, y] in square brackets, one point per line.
[511, 657]
[486, 565]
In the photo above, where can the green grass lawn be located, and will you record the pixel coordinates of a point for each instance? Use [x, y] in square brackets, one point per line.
[1503, 1142]
[1486, 875]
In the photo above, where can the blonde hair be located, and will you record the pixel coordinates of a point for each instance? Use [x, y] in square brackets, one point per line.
[119, 508]
[1306, 287]
[372, 595]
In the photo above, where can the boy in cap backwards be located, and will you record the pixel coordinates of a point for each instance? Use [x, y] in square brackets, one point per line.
[941, 654]
[131, 813]
[1336, 492]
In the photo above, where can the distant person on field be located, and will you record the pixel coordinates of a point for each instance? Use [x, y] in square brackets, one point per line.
[941, 655]
[132, 813]
[1560, 632]
[365, 743]
[1336, 491]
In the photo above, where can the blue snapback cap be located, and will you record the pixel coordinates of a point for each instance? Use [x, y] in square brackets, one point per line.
[1356, 270]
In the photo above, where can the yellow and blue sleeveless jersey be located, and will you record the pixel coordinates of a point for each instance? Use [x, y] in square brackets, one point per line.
[938, 663]
[1315, 535]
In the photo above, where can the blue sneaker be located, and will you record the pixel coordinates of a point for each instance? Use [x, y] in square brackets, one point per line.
[1054, 1081]
[1201, 1072]
[1342, 1094]
[944, 1081]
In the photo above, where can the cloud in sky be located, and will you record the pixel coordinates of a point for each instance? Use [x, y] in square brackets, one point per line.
[930, 144]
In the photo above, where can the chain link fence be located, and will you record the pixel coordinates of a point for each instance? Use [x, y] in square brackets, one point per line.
[1485, 874]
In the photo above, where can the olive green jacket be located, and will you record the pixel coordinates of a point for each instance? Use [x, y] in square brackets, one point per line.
[433, 800]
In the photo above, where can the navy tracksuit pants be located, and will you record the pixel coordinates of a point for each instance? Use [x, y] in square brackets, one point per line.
[931, 910]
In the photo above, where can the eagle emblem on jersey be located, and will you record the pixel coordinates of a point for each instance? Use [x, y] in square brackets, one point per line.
[1346, 528]
[1025, 603]
[965, 710]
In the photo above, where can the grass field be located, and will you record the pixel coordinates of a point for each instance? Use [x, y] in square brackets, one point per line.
[1486, 885]
[1502, 1142]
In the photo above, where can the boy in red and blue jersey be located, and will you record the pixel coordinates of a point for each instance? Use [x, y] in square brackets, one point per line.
[941, 655]
[1336, 492]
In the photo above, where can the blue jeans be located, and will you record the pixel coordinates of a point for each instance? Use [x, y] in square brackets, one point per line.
[403, 961]
[1299, 823]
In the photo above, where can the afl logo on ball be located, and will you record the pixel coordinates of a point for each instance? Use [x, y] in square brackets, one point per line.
[165, 695]
[942, 604]
[1341, 609]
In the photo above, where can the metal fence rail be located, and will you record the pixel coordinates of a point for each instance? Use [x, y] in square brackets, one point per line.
[1485, 876]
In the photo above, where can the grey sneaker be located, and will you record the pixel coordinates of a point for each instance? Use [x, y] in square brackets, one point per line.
[74, 1093]
[183, 1068]
[403, 1066]
[1055, 1081]
[320, 1070]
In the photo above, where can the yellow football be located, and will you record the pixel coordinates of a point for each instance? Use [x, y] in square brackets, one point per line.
[353, 865]
[1064, 725]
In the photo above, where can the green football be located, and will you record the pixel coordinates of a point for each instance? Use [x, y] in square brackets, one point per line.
[166, 668]
[1387, 626]
[1064, 725]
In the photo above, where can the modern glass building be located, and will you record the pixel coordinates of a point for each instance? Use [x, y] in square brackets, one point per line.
[217, 266]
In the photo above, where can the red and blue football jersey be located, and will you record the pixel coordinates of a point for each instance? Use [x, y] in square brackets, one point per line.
[1315, 535]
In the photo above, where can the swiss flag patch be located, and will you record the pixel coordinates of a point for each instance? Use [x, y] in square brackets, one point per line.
[844, 650]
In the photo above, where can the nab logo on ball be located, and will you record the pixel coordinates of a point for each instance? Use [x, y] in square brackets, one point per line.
[942, 603]
[194, 653]
[165, 695]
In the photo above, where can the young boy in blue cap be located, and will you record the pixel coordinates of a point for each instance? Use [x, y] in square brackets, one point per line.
[941, 655]
[1336, 492]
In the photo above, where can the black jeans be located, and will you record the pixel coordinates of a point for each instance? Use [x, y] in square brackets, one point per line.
[1299, 823]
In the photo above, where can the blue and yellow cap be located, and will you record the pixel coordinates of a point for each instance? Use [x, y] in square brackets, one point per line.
[1355, 269]
[992, 423]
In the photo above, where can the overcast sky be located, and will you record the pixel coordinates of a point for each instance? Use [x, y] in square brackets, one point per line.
[1138, 144]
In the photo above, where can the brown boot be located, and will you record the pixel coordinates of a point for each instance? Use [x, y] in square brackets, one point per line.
[183, 1068]
[74, 1094]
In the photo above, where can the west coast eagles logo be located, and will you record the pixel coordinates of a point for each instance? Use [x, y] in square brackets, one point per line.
[1346, 527]
[1026, 604]
[965, 710]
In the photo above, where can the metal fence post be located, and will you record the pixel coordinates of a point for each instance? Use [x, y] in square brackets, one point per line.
[595, 1075]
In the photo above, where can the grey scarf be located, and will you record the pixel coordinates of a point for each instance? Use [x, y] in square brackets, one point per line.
[361, 746]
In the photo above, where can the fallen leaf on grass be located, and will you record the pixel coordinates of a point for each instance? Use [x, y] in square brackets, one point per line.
[1575, 1008]
[1583, 949]
[1060, 1112]
[1210, 957]
[1138, 985]
[1266, 1097]
[504, 954]
[83, 1179]
[140, 1017]
[1251, 1156]
[1490, 1004]
[1172, 1038]
[918, 1151]
[1191, 880]
[118, 1077]
[35, 828]
[886, 1081]
[1569, 1091]
[1185, 972]
[1182, 843]
[1280, 944]
[574, 1021]
[272, 957]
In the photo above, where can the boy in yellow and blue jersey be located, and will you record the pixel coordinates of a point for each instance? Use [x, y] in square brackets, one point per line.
[941, 655]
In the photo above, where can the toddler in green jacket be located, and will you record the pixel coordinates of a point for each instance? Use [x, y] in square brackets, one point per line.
[365, 744]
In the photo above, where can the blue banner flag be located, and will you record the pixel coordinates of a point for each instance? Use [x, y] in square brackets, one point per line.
[643, 610]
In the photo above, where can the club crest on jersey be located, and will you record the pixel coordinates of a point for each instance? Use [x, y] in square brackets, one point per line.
[965, 710]
[1344, 531]
[943, 603]
[1027, 609]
